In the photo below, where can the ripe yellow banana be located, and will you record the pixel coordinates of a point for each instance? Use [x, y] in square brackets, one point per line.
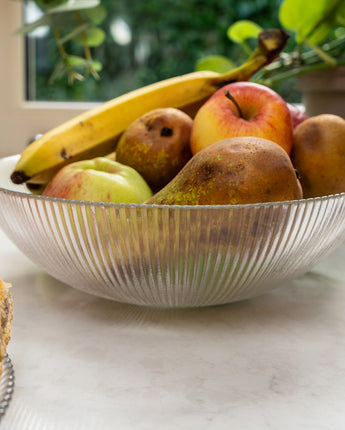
[95, 132]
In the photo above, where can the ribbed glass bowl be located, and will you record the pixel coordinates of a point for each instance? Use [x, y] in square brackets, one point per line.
[170, 256]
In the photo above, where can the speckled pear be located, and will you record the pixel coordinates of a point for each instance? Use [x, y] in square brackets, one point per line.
[233, 171]
[157, 145]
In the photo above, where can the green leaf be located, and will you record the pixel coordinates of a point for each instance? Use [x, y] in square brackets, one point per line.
[340, 15]
[339, 32]
[48, 4]
[76, 61]
[28, 28]
[94, 37]
[73, 34]
[96, 65]
[67, 20]
[95, 15]
[81, 63]
[310, 19]
[215, 63]
[242, 30]
[72, 5]
[59, 72]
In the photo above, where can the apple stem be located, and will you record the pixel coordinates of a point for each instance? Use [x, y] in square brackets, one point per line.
[232, 98]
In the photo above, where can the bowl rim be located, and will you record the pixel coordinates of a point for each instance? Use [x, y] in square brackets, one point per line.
[28, 195]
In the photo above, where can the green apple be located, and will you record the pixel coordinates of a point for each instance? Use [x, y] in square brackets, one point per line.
[99, 180]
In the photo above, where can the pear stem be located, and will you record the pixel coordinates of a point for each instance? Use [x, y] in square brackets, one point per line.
[232, 98]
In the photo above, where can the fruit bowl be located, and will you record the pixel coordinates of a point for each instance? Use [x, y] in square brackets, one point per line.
[170, 256]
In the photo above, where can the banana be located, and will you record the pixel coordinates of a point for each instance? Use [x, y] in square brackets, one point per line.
[96, 131]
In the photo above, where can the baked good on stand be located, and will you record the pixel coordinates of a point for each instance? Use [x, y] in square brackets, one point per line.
[6, 314]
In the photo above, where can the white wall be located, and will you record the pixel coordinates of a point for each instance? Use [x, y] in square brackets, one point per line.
[21, 120]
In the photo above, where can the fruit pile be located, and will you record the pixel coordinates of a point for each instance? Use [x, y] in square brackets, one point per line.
[244, 145]
[198, 139]
[238, 147]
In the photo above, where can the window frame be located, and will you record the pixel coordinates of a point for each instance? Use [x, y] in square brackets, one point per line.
[22, 120]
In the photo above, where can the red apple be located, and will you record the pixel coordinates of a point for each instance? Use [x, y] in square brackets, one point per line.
[242, 109]
[100, 180]
[297, 115]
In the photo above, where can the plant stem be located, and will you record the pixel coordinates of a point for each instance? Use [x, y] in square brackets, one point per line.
[334, 47]
[88, 56]
[298, 63]
[296, 72]
[73, 33]
[72, 75]
[234, 101]
[329, 47]
[246, 48]
[322, 54]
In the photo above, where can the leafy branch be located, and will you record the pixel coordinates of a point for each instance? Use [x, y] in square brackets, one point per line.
[72, 22]
[298, 63]
[318, 42]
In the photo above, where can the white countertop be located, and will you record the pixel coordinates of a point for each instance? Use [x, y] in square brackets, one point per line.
[274, 362]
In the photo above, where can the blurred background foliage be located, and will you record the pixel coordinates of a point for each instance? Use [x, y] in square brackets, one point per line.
[143, 42]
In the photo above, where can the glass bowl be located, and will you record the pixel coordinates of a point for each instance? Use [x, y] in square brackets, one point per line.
[170, 256]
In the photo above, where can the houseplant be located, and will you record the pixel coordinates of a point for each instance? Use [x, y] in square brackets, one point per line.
[72, 21]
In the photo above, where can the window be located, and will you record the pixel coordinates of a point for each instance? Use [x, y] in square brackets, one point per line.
[145, 42]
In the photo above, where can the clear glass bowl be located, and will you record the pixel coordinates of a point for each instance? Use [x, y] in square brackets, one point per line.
[170, 256]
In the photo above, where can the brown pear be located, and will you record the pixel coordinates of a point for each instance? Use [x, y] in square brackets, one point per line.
[319, 155]
[237, 170]
[157, 145]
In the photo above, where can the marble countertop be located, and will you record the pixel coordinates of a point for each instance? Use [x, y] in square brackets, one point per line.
[81, 362]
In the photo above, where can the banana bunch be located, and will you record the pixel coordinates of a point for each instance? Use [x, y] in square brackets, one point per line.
[96, 132]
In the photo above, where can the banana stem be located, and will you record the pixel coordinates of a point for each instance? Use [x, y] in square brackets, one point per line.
[270, 44]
